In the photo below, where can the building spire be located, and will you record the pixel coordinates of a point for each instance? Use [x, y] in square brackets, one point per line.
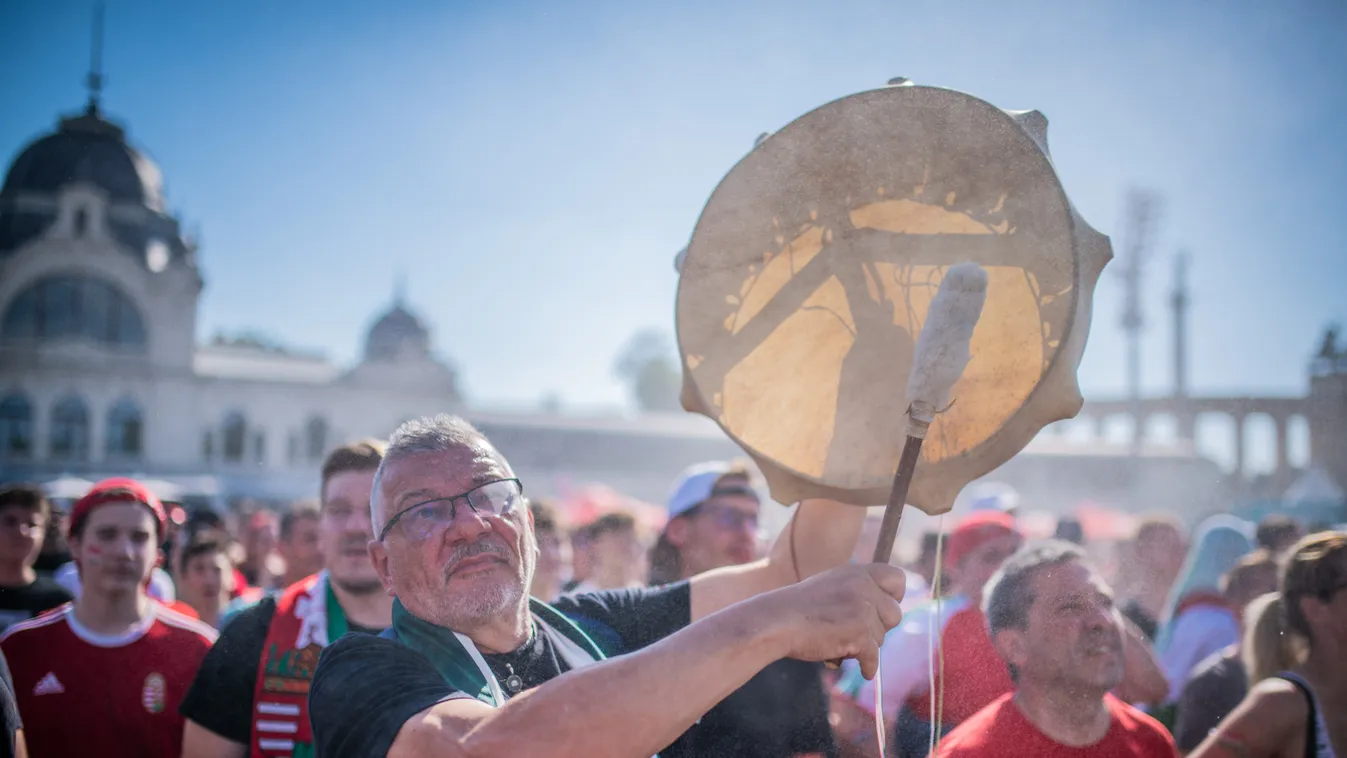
[94, 79]
[400, 290]
[1179, 302]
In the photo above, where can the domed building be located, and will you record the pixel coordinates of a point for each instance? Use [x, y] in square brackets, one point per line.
[100, 369]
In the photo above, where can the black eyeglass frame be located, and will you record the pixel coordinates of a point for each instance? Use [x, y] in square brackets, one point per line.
[453, 503]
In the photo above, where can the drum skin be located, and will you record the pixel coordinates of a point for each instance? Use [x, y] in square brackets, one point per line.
[811, 268]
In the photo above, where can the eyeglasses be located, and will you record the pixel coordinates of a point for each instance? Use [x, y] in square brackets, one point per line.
[498, 498]
[728, 518]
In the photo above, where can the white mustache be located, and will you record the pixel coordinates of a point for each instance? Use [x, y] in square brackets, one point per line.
[485, 545]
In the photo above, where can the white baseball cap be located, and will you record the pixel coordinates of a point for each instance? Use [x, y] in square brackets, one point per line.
[697, 484]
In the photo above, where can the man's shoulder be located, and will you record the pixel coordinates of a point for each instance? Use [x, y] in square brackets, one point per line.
[250, 614]
[982, 733]
[39, 628]
[1138, 723]
[1219, 665]
[47, 586]
[181, 629]
[360, 649]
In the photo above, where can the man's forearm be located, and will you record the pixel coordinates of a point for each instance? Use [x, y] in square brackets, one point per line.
[821, 535]
[634, 705]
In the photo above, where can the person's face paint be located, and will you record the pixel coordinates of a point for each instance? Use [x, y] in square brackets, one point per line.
[116, 550]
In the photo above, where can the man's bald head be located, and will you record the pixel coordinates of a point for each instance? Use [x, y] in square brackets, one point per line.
[430, 434]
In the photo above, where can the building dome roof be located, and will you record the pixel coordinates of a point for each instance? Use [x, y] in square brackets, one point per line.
[397, 334]
[90, 149]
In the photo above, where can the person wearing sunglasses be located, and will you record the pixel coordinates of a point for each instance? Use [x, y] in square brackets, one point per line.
[473, 667]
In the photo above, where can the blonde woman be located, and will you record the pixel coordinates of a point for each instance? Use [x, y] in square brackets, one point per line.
[1268, 646]
[1299, 712]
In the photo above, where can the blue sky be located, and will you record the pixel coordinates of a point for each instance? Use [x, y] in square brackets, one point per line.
[533, 167]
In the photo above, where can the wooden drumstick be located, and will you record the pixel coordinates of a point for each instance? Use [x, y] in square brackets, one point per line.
[940, 356]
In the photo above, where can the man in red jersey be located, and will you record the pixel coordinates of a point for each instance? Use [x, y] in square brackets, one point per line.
[103, 676]
[1053, 621]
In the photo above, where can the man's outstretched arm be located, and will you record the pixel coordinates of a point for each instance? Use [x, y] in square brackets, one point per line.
[634, 705]
[821, 535]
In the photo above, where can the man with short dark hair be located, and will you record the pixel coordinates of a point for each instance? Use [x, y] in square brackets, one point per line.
[473, 667]
[24, 511]
[616, 553]
[298, 544]
[204, 577]
[553, 550]
[1053, 622]
[250, 697]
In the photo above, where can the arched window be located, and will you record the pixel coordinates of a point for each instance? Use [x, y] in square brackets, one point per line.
[260, 448]
[124, 430]
[70, 430]
[235, 437]
[74, 307]
[16, 427]
[315, 438]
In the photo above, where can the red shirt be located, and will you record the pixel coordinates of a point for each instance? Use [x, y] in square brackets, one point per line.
[974, 674]
[1001, 729]
[82, 693]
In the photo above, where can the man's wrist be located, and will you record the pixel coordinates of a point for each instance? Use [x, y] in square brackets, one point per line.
[762, 624]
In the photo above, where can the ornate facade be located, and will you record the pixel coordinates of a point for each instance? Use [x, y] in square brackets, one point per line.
[100, 370]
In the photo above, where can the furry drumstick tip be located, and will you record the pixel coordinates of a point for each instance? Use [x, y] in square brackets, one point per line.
[942, 352]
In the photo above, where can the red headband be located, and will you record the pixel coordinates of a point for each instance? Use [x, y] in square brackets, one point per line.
[119, 490]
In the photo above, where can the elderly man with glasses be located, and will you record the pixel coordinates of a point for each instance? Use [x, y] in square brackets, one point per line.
[473, 667]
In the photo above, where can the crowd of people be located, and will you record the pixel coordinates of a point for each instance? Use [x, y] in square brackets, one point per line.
[424, 604]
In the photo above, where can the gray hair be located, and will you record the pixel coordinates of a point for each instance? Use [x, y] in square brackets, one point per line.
[428, 434]
[1007, 597]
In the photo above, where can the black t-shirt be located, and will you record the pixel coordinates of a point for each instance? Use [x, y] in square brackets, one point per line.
[366, 688]
[22, 603]
[782, 711]
[1216, 686]
[221, 696]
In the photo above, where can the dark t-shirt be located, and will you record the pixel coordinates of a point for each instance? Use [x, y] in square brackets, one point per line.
[1215, 687]
[22, 603]
[366, 688]
[221, 696]
[783, 711]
